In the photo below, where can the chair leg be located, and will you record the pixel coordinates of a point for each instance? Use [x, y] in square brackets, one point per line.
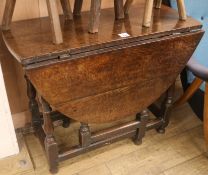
[181, 9]
[118, 8]
[148, 13]
[55, 22]
[77, 7]
[158, 4]
[206, 115]
[8, 13]
[127, 6]
[189, 92]
[94, 16]
[67, 9]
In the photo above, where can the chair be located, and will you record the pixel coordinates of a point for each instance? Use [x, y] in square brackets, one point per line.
[201, 73]
[197, 68]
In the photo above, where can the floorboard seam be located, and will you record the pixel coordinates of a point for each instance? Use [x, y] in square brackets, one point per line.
[183, 162]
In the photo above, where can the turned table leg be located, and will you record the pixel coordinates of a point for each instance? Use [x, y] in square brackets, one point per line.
[118, 8]
[77, 7]
[143, 118]
[66, 9]
[84, 135]
[94, 16]
[51, 145]
[55, 21]
[8, 13]
[148, 13]
[33, 105]
[166, 109]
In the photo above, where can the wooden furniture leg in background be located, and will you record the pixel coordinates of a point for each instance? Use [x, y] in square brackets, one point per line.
[33, 105]
[119, 9]
[206, 115]
[94, 16]
[149, 8]
[55, 21]
[51, 146]
[143, 118]
[67, 9]
[127, 6]
[148, 13]
[158, 4]
[181, 9]
[189, 92]
[77, 7]
[8, 13]
[166, 109]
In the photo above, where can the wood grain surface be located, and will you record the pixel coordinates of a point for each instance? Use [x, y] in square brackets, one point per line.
[103, 77]
[108, 86]
[30, 41]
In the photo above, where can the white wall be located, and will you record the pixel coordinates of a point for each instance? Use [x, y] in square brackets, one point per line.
[8, 141]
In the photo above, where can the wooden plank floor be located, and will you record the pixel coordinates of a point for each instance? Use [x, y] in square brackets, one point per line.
[179, 151]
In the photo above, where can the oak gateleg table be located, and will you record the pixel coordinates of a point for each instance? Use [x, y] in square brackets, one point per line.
[103, 77]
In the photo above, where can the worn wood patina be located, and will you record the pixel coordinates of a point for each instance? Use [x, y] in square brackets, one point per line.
[103, 77]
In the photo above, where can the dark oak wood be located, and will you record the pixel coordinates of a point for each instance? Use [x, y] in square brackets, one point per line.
[107, 136]
[116, 130]
[103, 77]
[77, 150]
[77, 7]
[73, 77]
[51, 145]
[66, 9]
[127, 6]
[119, 9]
[143, 117]
[84, 135]
[139, 84]
[30, 34]
[33, 104]
[166, 108]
